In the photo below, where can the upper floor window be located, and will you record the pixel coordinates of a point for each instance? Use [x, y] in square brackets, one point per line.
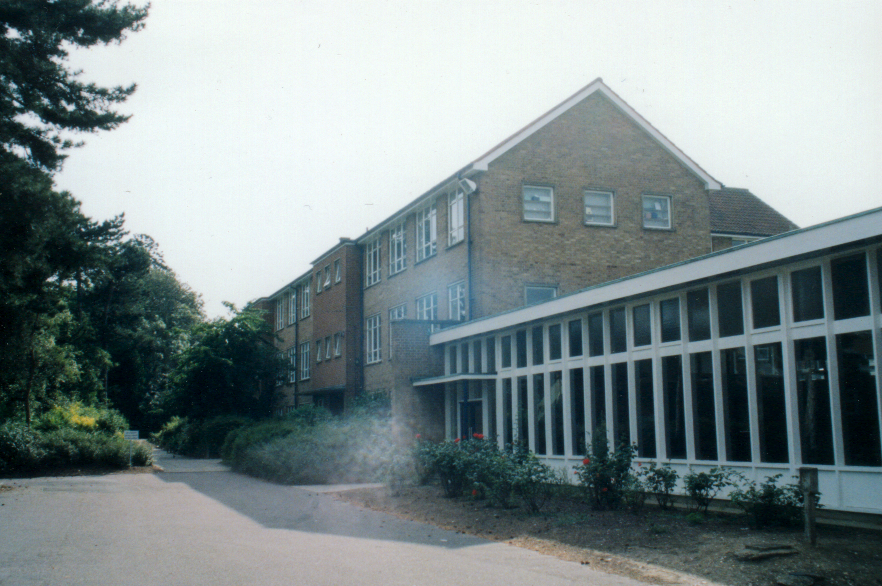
[304, 361]
[398, 312]
[338, 344]
[427, 307]
[372, 263]
[427, 232]
[538, 294]
[456, 294]
[292, 307]
[304, 300]
[328, 348]
[372, 339]
[538, 204]
[327, 276]
[397, 249]
[318, 350]
[599, 208]
[292, 364]
[280, 313]
[318, 281]
[456, 217]
[338, 274]
[657, 212]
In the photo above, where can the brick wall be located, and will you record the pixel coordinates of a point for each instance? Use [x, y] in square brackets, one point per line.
[416, 410]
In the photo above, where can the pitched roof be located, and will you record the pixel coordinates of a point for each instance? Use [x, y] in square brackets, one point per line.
[738, 211]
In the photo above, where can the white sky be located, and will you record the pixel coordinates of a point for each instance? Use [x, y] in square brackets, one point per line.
[264, 131]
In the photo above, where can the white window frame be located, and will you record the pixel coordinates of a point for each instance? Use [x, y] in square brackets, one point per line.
[304, 361]
[304, 300]
[427, 307]
[372, 263]
[292, 306]
[455, 217]
[593, 219]
[318, 350]
[338, 339]
[398, 312]
[280, 377]
[535, 199]
[397, 248]
[426, 232]
[327, 276]
[456, 301]
[280, 313]
[551, 288]
[656, 205]
[318, 281]
[327, 347]
[373, 339]
[338, 273]
[292, 364]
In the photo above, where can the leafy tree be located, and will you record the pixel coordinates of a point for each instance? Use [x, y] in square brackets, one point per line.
[228, 370]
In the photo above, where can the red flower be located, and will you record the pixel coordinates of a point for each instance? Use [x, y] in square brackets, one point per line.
[586, 461]
[604, 489]
[478, 435]
[474, 492]
[456, 441]
[419, 436]
[639, 464]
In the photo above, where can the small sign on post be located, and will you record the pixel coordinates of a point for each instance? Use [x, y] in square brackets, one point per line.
[808, 482]
[131, 435]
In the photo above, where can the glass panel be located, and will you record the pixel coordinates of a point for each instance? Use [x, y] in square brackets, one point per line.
[645, 409]
[617, 332]
[857, 398]
[764, 301]
[538, 353]
[507, 436]
[491, 355]
[698, 312]
[577, 410]
[505, 350]
[454, 368]
[557, 426]
[851, 296]
[521, 434]
[621, 416]
[598, 399]
[642, 326]
[771, 418]
[464, 358]
[807, 292]
[521, 350]
[476, 356]
[672, 399]
[730, 310]
[598, 208]
[575, 331]
[490, 433]
[704, 419]
[595, 334]
[670, 320]
[735, 406]
[813, 398]
[539, 413]
[554, 342]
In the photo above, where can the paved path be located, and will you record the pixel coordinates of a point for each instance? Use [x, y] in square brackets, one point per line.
[196, 523]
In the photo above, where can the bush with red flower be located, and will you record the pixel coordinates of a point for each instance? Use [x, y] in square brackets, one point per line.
[606, 475]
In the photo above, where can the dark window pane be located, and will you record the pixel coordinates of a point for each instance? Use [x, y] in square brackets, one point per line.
[730, 310]
[521, 348]
[505, 350]
[595, 334]
[490, 433]
[454, 368]
[539, 413]
[735, 406]
[464, 358]
[642, 326]
[554, 342]
[704, 418]
[764, 301]
[522, 436]
[698, 312]
[617, 331]
[507, 430]
[851, 296]
[621, 416]
[491, 355]
[670, 320]
[598, 400]
[645, 409]
[555, 391]
[538, 353]
[813, 397]
[577, 410]
[575, 327]
[476, 356]
[808, 298]
[672, 400]
[857, 398]
[771, 418]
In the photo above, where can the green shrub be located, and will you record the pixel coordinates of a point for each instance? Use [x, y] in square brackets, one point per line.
[695, 518]
[239, 440]
[703, 487]
[20, 447]
[633, 493]
[532, 480]
[661, 482]
[604, 475]
[769, 504]
[76, 415]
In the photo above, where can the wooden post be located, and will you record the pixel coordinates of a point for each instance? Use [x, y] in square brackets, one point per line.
[808, 482]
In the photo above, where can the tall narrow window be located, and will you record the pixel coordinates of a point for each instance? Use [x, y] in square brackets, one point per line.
[642, 325]
[507, 430]
[372, 343]
[771, 419]
[505, 351]
[327, 276]
[427, 232]
[645, 408]
[698, 312]
[304, 300]
[521, 348]
[598, 400]
[851, 295]
[328, 348]
[555, 396]
[736, 410]
[764, 302]
[575, 331]
[477, 358]
[338, 344]
[538, 204]
[397, 249]
[491, 355]
[595, 334]
[730, 312]
[372, 263]
[464, 358]
[292, 364]
[318, 350]
[617, 330]
[599, 208]
[539, 414]
[522, 434]
[455, 217]
[857, 398]
[538, 346]
[292, 306]
[675, 410]
[807, 293]
[577, 410]
[318, 282]
[670, 319]
[704, 419]
[554, 342]
[280, 313]
[656, 212]
[427, 307]
[338, 273]
[304, 361]
[813, 399]
[456, 295]
[621, 415]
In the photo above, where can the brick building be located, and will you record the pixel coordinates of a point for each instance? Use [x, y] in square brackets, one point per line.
[587, 193]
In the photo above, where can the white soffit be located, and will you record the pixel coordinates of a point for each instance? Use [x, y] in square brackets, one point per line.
[775, 249]
[595, 86]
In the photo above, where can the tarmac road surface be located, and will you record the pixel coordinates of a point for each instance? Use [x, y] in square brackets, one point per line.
[196, 523]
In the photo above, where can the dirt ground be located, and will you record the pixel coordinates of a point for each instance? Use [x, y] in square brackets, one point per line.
[655, 546]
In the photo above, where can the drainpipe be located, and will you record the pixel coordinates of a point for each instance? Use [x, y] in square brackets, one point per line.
[468, 220]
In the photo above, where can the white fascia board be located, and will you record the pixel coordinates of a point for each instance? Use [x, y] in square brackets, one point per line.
[774, 249]
[483, 163]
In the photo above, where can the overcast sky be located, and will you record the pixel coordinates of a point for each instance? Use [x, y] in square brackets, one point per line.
[261, 131]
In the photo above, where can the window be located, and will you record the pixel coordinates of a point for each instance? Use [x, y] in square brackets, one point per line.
[673, 405]
[595, 334]
[764, 301]
[599, 208]
[507, 422]
[328, 348]
[292, 307]
[427, 307]
[280, 376]
[645, 409]
[621, 416]
[657, 212]
[851, 295]
[398, 312]
[491, 355]
[456, 297]
[736, 409]
[772, 424]
[807, 293]
[617, 330]
[455, 217]
[731, 318]
[304, 361]
[427, 232]
[521, 348]
[539, 414]
[538, 294]
[372, 263]
[318, 281]
[555, 396]
[505, 351]
[575, 330]
[397, 249]
[280, 313]
[327, 276]
[857, 396]
[597, 386]
[338, 274]
[372, 339]
[304, 300]
[538, 204]
[538, 346]
[577, 410]
[704, 419]
[642, 325]
[318, 350]
[813, 400]
[338, 345]
[698, 314]
[292, 364]
[670, 319]
[555, 346]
